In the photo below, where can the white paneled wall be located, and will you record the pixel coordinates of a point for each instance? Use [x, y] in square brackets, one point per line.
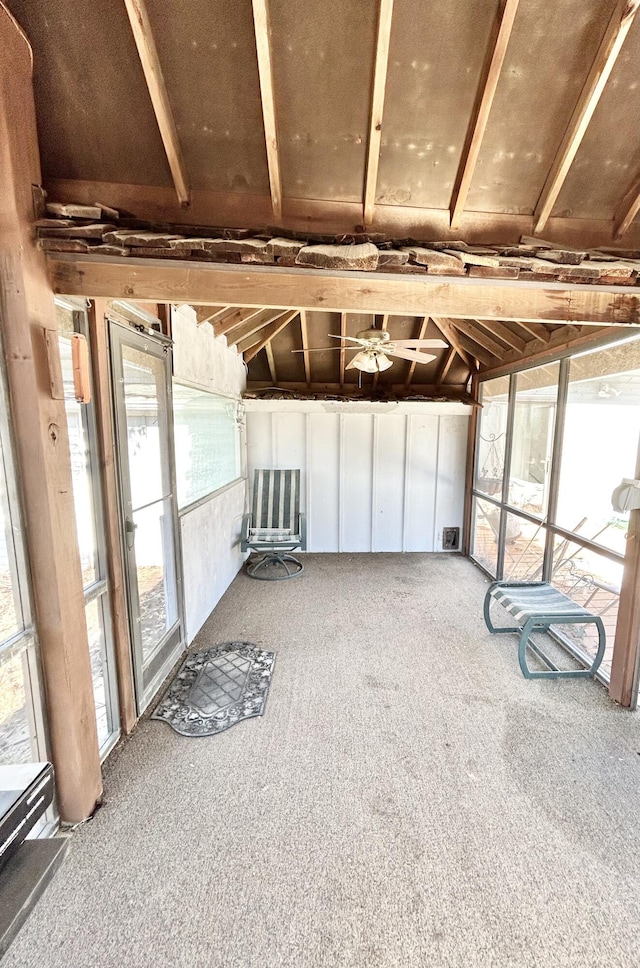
[375, 477]
[210, 532]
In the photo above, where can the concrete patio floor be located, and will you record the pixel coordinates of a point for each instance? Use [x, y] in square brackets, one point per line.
[407, 799]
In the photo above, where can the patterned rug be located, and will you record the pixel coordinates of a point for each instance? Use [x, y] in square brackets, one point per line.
[217, 689]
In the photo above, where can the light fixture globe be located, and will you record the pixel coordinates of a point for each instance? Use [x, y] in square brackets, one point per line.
[371, 361]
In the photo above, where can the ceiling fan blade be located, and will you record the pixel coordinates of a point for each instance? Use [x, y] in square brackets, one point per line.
[327, 349]
[412, 356]
[353, 339]
[432, 344]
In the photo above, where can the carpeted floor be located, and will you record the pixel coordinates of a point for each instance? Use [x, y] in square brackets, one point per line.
[408, 799]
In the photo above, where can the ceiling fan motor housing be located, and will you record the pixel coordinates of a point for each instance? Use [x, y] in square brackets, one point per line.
[377, 335]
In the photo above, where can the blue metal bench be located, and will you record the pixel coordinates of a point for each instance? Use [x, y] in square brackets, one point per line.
[537, 605]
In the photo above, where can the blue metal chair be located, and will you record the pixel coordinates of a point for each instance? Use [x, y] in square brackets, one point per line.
[275, 527]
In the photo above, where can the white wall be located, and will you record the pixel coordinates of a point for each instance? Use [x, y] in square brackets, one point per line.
[375, 477]
[210, 533]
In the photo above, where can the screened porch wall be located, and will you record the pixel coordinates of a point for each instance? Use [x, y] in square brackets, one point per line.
[209, 528]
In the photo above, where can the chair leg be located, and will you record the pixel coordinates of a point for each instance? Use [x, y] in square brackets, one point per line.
[259, 569]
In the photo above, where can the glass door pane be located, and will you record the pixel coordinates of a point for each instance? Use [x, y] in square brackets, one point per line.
[142, 388]
[533, 424]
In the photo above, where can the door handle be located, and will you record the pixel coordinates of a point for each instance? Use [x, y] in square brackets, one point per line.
[130, 530]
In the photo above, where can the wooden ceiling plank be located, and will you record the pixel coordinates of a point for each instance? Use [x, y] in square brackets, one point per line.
[235, 317]
[172, 281]
[385, 16]
[270, 333]
[267, 95]
[421, 335]
[619, 25]
[482, 109]
[502, 332]
[446, 328]
[534, 353]
[304, 335]
[445, 366]
[148, 53]
[385, 325]
[627, 211]
[479, 337]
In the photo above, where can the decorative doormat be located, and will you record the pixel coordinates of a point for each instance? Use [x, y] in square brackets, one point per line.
[217, 688]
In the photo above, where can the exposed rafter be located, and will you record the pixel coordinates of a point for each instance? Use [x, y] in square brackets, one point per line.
[343, 347]
[482, 108]
[502, 332]
[210, 314]
[537, 330]
[445, 366]
[305, 346]
[476, 351]
[270, 333]
[627, 211]
[610, 47]
[263, 49]
[449, 333]
[271, 363]
[474, 332]
[143, 36]
[252, 325]
[385, 16]
[234, 318]
[421, 335]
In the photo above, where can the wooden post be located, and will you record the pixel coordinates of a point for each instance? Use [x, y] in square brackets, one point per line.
[27, 314]
[106, 435]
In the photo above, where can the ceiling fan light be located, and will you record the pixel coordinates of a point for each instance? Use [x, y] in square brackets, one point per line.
[365, 362]
[384, 362]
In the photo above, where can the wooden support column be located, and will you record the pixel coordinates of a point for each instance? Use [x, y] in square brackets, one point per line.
[27, 315]
[117, 590]
[626, 647]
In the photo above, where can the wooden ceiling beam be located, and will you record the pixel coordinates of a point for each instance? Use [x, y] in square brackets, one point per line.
[482, 108]
[627, 211]
[271, 362]
[563, 340]
[210, 314]
[537, 330]
[412, 366]
[619, 25]
[265, 72]
[446, 328]
[445, 366]
[252, 325]
[502, 332]
[175, 281]
[385, 16]
[148, 53]
[477, 352]
[234, 318]
[304, 335]
[478, 335]
[269, 334]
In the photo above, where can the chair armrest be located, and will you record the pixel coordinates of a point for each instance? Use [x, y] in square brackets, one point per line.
[302, 531]
[244, 538]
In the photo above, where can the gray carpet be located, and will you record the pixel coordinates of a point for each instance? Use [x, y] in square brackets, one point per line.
[408, 799]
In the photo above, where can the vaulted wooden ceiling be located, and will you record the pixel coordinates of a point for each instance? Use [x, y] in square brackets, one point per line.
[478, 120]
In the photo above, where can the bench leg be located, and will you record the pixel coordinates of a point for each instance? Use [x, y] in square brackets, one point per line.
[486, 611]
[602, 642]
[553, 672]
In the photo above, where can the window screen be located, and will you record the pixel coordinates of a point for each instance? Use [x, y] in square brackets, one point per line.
[206, 442]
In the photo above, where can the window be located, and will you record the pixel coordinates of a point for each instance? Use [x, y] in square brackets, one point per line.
[554, 521]
[206, 442]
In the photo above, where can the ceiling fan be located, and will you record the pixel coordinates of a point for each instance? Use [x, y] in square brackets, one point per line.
[375, 346]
